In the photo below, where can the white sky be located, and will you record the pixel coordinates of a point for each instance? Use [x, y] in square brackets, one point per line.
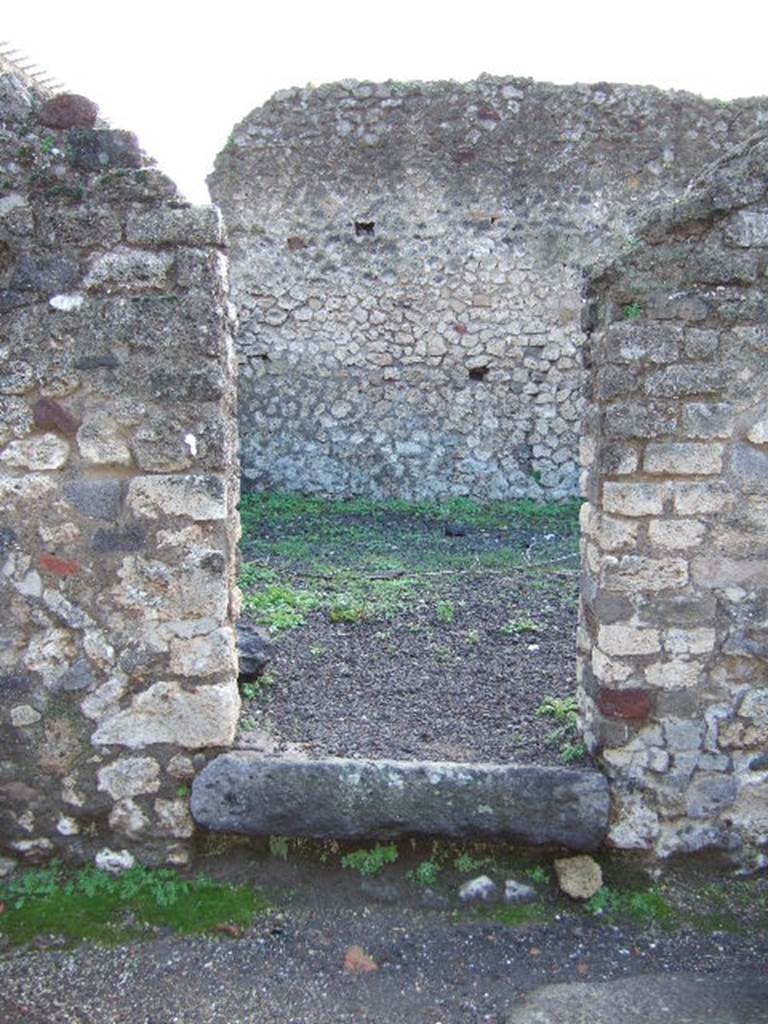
[182, 75]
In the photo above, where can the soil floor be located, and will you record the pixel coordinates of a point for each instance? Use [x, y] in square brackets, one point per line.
[417, 643]
[340, 949]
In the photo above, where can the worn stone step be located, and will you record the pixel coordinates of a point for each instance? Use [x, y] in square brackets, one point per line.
[338, 798]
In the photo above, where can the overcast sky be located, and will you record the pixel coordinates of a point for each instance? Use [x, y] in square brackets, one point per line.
[181, 76]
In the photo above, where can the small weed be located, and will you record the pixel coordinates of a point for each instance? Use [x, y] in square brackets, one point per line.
[370, 862]
[562, 709]
[521, 625]
[632, 311]
[182, 792]
[317, 650]
[278, 847]
[538, 875]
[472, 637]
[445, 611]
[466, 864]
[645, 906]
[606, 903]
[570, 752]
[251, 690]
[425, 873]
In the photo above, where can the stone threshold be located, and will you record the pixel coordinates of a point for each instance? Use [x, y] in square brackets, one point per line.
[339, 798]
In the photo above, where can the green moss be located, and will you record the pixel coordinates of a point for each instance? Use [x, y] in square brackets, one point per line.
[105, 908]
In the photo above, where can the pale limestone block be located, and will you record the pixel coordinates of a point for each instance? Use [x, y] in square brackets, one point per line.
[626, 641]
[689, 641]
[165, 713]
[126, 816]
[180, 767]
[609, 671]
[16, 490]
[200, 497]
[691, 499]
[716, 572]
[636, 573]
[749, 813]
[204, 655]
[40, 452]
[67, 826]
[129, 271]
[579, 877]
[758, 432]
[50, 653]
[634, 499]
[130, 776]
[174, 819]
[685, 458]
[100, 444]
[24, 714]
[635, 825]
[163, 594]
[613, 534]
[31, 585]
[676, 533]
[624, 758]
[754, 705]
[105, 700]
[673, 675]
[748, 227]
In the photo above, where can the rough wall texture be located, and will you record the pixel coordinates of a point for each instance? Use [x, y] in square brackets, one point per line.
[674, 634]
[406, 264]
[117, 492]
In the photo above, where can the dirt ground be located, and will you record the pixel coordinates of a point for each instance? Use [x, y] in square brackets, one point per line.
[421, 637]
[428, 958]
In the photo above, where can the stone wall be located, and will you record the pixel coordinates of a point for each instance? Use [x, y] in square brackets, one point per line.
[674, 626]
[406, 261]
[117, 488]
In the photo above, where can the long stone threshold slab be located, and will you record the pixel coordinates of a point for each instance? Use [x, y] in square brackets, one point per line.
[338, 798]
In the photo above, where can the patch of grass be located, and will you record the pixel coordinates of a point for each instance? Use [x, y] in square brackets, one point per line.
[517, 915]
[644, 906]
[370, 862]
[425, 873]
[445, 612]
[521, 626]
[107, 908]
[279, 607]
[632, 311]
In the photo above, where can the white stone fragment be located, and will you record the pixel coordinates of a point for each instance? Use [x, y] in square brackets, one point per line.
[66, 303]
[114, 862]
[478, 890]
[191, 442]
[67, 826]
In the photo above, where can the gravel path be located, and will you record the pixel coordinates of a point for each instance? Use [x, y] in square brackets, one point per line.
[430, 969]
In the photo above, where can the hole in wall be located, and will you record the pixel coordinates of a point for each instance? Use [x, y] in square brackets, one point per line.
[478, 373]
[365, 228]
